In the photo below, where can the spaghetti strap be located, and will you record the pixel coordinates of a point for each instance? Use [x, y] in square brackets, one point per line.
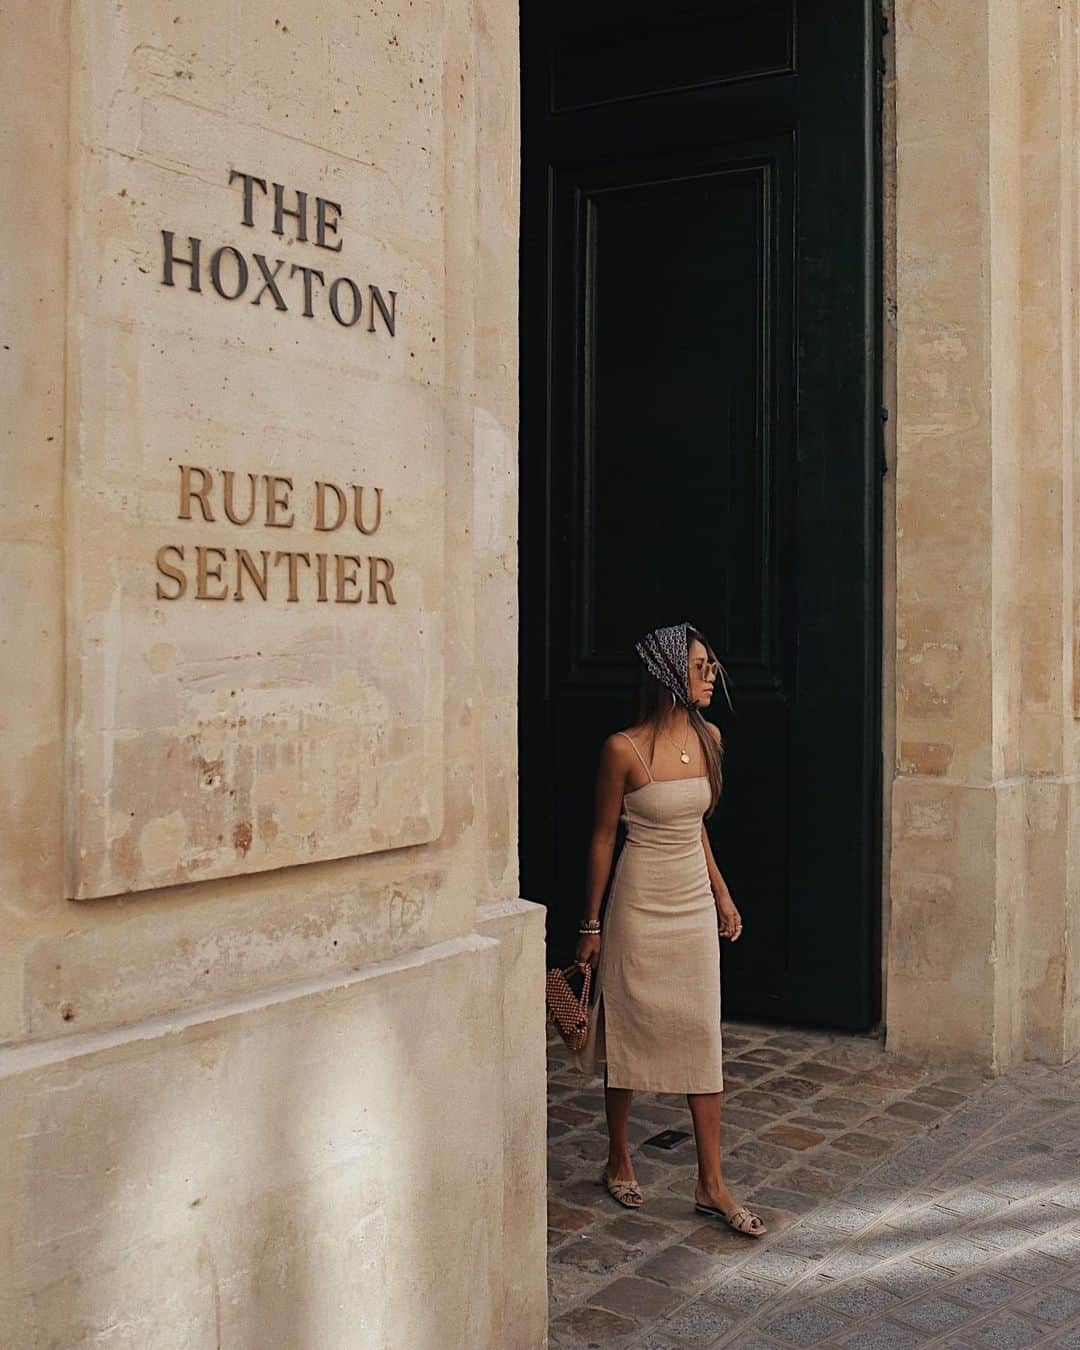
[639, 755]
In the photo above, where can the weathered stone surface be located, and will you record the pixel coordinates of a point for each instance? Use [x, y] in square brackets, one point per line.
[820, 1073]
[637, 1230]
[568, 1219]
[590, 1326]
[796, 1137]
[764, 1055]
[639, 1299]
[844, 1108]
[766, 1103]
[677, 1265]
[983, 811]
[262, 1170]
[569, 1115]
[208, 739]
[914, 1111]
[744, 1071]
[717, 1239]
[595, 1255]
[913, 1249]
[811, 1182]
[864, 1145]
[932, 1095]
[206, 1020]
[796, 1088]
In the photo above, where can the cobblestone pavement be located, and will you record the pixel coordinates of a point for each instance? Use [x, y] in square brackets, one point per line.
[907, 1207]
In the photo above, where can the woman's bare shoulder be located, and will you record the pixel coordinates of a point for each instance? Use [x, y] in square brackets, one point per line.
[617, 747]
[638, 732]
[714, 732]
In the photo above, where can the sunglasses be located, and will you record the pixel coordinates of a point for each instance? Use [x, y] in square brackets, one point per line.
[707, 669]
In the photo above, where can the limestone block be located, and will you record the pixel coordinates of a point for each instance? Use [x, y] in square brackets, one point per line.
[319, 1167]
[33, 245]
[1044, 923]
[151, 958]
[982, 893]
[1070, 1038]
[250, 687]
[520, 1287]
[941, 953]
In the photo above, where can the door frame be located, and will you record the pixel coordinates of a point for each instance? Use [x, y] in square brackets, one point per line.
[535, 820]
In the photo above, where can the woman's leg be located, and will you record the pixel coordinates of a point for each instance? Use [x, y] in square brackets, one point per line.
[617, 1105]
[711, 1187]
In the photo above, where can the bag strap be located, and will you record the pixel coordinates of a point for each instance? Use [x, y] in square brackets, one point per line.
[586, 979]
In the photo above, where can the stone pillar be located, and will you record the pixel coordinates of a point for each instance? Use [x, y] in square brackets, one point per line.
[271, 1013]
[982, 898]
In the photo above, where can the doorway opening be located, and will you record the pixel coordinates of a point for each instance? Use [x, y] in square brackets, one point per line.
[701, 440]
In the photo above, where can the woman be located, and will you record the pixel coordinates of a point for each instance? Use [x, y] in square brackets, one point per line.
[656, 1021]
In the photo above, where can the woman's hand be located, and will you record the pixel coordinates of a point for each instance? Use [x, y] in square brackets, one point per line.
[588, 950]
[730, 919]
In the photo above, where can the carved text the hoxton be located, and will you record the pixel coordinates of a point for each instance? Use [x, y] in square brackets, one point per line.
[229, 274]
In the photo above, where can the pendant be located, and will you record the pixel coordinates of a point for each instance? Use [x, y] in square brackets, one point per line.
[685, 757]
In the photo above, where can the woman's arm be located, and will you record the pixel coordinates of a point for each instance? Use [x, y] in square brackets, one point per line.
[610, 785]
[728, 916]
[716, 881]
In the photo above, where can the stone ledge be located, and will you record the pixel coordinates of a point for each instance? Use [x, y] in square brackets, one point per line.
[27, 1058]
[489, 911]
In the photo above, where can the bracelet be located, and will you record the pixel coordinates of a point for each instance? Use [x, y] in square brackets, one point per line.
[589, 926]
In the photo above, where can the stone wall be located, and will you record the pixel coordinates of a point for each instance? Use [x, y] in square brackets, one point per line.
[983, 962]
[225, 1068]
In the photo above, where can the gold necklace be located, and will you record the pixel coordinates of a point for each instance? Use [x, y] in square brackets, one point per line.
[684, 754]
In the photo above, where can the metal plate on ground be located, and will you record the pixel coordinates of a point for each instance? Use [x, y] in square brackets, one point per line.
[667, 1139]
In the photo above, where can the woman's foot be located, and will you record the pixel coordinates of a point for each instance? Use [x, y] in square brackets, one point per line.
[628, 1193]
[622, 1185]
[716, 1196]
[718, 1202]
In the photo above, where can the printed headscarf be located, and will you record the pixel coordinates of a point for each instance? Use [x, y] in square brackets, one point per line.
[664, 653]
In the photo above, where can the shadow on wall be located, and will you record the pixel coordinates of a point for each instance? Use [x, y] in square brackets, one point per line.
[321, 1171]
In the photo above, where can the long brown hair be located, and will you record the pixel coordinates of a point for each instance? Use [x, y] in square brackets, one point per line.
[654, 701]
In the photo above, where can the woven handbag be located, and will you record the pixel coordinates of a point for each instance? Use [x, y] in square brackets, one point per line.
[569, 1011]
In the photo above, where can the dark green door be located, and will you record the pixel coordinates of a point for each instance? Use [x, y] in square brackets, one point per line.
[700, 440]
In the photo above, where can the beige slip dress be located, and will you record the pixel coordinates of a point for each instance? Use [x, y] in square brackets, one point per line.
[655, 1022]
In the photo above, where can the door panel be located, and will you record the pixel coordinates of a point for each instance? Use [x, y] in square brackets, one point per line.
[676, 384]
[639, 51]
[699, 441]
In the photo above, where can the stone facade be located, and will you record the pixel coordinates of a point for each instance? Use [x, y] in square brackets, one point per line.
[271, 1014]
[983, 961]
[271, 1045]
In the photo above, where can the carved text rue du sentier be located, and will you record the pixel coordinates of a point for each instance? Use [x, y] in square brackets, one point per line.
[225, 495]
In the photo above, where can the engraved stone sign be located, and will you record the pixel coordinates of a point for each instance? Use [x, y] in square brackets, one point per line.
[255, 481]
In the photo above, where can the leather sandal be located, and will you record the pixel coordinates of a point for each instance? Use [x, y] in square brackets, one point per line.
[628, 1193]
[742, 1220]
